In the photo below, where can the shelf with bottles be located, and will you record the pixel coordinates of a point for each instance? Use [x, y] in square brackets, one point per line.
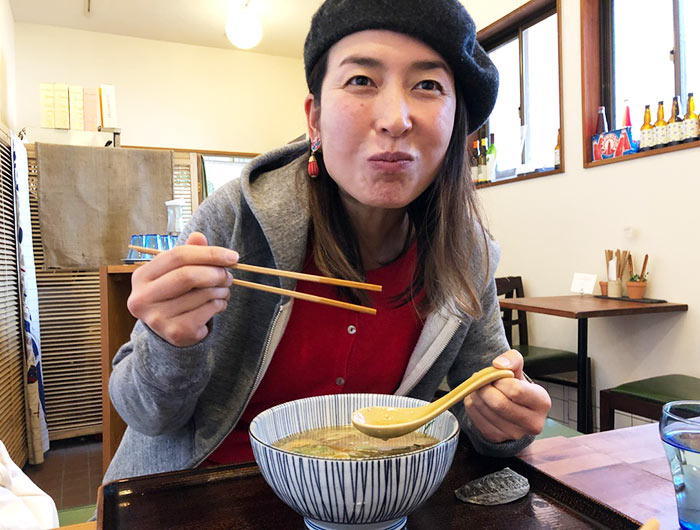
[484, 167]
[662, 136]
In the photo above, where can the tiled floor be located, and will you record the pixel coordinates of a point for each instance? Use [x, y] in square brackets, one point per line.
[71, 472]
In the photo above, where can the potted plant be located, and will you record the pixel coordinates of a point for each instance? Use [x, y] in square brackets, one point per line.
[636, 286]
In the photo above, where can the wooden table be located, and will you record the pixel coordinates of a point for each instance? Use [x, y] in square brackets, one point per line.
[116, 324]
[581, 308]
[624, 468]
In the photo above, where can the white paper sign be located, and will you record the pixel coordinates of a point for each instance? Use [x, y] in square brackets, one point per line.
[583, 283]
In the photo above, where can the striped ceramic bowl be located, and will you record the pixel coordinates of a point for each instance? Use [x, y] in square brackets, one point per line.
[367, 494]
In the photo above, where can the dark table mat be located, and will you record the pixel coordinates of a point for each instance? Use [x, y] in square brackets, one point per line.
[238, 497]
[628, 299]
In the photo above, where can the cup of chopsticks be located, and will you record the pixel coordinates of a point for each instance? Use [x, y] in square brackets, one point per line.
[614, 267]
[297, 276]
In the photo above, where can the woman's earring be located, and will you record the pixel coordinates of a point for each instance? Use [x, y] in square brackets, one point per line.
[313, 164]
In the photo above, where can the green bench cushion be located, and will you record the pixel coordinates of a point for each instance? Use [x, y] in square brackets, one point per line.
[554, 428]
[662, 389]
[544, 361]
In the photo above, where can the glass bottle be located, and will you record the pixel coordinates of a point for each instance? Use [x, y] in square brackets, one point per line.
[660, 127]
[557, 152]
[475, 161]
[675, 124]
[646, 131]
[627, 119]
[491, 159]
[483, 176]
[690, 121]
[602, 123]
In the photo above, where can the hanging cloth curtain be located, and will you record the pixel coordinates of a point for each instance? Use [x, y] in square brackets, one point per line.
[37, 431]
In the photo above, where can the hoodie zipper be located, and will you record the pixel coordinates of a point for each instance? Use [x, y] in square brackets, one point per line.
[439, 345]
[258, 378]
[266, 352]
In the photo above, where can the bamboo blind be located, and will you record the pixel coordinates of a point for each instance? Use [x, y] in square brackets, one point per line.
[13, 429]
[69, 318]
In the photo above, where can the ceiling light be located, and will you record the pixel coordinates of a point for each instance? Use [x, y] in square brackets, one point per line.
[244, 29]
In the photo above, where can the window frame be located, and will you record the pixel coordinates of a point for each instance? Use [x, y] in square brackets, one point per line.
[596, 79]
[507, 28]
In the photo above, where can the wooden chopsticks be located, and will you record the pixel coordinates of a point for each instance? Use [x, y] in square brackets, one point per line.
[297, 276]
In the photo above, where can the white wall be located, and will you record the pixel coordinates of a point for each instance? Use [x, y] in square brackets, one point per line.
[168, 94]
[7, 66]
[186, 96]
[553, 226]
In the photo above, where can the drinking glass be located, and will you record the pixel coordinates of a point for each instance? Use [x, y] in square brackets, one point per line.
[166, 242]
[137, 241]
[152, 241]
[680, 433]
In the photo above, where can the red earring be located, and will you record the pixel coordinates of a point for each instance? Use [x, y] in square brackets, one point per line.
[313, 164]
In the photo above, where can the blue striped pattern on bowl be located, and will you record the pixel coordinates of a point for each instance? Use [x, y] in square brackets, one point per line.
[349, 491]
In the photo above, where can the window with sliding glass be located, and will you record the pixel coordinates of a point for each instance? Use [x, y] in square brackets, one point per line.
[525, 45]
[639, 53]
[218, 170]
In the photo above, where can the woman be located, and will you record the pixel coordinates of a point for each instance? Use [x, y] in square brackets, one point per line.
[382, 194]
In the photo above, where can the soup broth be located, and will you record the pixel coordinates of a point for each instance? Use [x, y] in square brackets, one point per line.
[348, 442]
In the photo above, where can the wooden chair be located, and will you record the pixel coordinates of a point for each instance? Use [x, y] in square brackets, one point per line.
[646, 397]
[546, 364]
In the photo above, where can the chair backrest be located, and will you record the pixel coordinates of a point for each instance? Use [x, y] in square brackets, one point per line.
[510, 287]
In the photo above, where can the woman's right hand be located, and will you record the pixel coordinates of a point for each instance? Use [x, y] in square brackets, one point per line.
[179, 291]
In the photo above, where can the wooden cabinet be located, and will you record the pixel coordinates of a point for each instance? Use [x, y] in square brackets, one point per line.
[116, 323]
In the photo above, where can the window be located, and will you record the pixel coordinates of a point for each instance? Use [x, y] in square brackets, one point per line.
[643, 51]
[525, 47]
[218, 170]
[658, 35]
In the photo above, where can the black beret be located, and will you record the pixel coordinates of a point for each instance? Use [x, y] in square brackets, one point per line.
[444, 25]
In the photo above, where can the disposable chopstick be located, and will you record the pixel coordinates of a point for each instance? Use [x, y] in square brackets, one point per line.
[286, 274]
[287, 292]
[308, 277]
[307, 297]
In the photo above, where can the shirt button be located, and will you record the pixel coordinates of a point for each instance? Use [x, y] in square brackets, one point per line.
[340, 381]
[352, 329]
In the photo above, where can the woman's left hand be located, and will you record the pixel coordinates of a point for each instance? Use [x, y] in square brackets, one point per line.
[509, 408]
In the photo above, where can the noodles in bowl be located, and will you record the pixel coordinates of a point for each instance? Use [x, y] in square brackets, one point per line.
[372, 491]
[348, 442]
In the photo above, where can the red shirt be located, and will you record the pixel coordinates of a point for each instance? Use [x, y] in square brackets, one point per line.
[327, 350]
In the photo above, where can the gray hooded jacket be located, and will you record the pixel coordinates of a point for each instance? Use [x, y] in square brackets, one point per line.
[181, 403]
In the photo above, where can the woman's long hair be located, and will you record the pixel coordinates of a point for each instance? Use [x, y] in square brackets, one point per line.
[445, 222]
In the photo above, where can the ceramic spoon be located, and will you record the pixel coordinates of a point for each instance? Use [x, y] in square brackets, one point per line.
[390, 422]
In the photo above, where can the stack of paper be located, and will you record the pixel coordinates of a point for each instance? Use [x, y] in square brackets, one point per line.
[61, 106]
[78, 108]
[46, 97]
[75, 98]
[108, 106]
[91, 109]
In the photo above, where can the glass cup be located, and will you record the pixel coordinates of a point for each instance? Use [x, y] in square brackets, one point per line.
[152, 241]
[137, 241]
[166, 242]
[680, 433]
